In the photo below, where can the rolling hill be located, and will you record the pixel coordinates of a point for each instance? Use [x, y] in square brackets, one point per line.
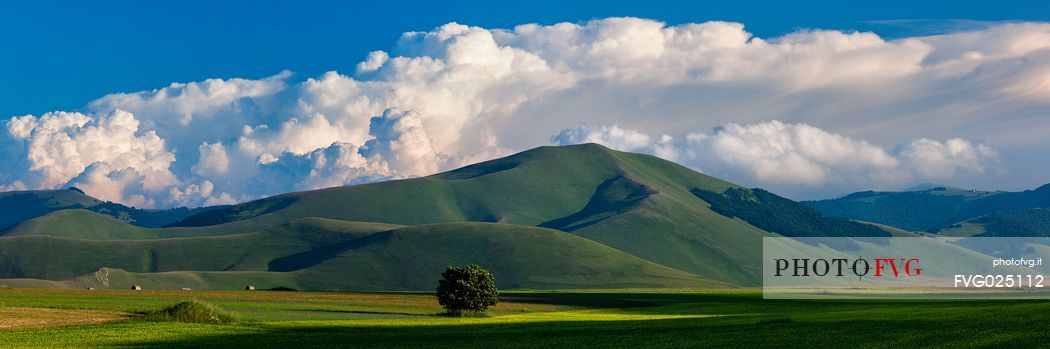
[19, 206]
[929, 209]
[580, 216]
[324, 254]
[640, 204]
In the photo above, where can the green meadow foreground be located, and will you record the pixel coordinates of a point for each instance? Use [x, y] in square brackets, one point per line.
[111, 318]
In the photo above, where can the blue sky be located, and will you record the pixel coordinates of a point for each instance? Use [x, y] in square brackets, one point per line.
[159, 104]
[59, 55]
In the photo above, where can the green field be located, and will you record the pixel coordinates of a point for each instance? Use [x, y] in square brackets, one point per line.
[626, 319]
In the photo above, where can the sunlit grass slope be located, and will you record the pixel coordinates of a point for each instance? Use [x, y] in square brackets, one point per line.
[325, 254]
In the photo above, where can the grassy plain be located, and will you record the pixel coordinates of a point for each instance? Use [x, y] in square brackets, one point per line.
[625, 319]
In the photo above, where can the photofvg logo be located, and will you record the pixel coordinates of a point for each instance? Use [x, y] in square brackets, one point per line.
[903, 267]
[841, 267]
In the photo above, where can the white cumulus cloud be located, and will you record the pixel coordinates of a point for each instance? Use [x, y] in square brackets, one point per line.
[784, 156]
[104, 154]
[857, 110]
[213, 160]
[954, 157]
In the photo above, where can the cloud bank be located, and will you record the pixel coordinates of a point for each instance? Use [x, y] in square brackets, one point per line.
[774, 153]
[856, 111]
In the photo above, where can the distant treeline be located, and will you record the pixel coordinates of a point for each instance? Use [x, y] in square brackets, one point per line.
[773, 213]
[929, 210]
[1033, 222]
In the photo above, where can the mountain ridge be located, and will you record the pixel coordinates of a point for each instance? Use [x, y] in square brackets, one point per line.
[28, 204]
[592, 217]
[929, 210]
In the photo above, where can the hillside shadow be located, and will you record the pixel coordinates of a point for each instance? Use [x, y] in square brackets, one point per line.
[614, 196]
[236, 213]
[317, 256]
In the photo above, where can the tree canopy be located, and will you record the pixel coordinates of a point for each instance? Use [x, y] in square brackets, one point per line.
[469, 288]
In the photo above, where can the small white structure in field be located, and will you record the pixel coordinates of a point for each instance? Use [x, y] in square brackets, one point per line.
[249, 288]
[136, 287]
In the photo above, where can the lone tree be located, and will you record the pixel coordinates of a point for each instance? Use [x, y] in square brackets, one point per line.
[469, 288]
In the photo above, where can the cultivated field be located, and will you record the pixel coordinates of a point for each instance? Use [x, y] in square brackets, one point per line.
[628, 319]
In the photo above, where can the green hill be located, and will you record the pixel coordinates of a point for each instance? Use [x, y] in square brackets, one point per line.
[579, 216]
[636, 203]
[520, 257]
[19, 206]
[930, 209]
[323, 254]
[56, 257]
[88, 225]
